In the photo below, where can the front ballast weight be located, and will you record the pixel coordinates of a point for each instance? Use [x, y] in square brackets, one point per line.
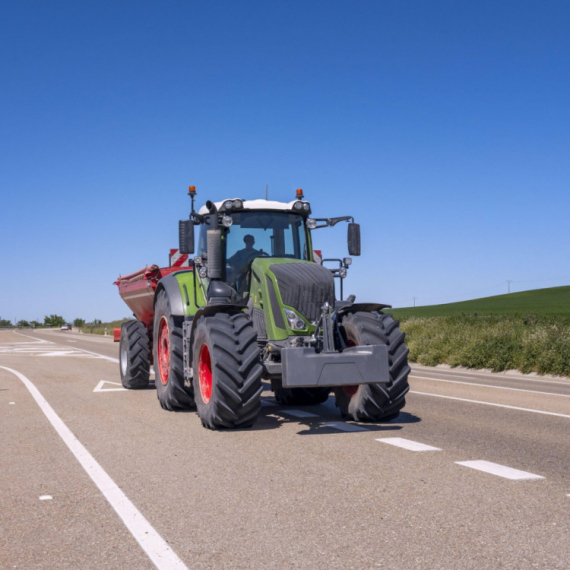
[324, 365]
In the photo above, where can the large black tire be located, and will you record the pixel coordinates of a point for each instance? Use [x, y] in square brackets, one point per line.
[227, 371]
[134, 356]
[375, 402]
[301, 396]
[168, 358]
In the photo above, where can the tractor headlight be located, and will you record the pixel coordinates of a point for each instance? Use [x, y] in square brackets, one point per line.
[306, 207]
[347, 261]
[227, 221]
[311, 224]
[203, 271]
[295, 322]
[238, 204]
[342, 272]
[298, 206]
[228, 205]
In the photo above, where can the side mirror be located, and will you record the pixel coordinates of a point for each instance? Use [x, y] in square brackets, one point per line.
[186, 236]
[354, 239]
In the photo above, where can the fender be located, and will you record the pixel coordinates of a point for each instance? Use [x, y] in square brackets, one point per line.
[170, 285]
[361, 307]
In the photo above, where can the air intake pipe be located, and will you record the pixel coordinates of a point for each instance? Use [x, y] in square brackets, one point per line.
[214, 237]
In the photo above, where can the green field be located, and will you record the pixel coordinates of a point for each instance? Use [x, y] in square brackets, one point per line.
[527, 331]
[552, 301]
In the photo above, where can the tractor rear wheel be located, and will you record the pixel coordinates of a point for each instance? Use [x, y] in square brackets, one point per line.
[134, 356]
[375, 402]
[301, 396]
[168, 358]
[226, 371]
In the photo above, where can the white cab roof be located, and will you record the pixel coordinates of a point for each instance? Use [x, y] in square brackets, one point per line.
[254, 205]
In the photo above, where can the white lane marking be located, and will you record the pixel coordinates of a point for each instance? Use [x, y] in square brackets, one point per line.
[494, 375]
[99, 387]
[492, 404]
[488, 386]
[11, 403]
[38, 340]
[299, 414]
[407, 444]
[150, 541]
[115, 360]
[46, 497]
[499, 470]
[59, 353]
[71, 341]
[343, 426]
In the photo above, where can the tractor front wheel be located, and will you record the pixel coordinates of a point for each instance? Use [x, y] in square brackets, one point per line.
[226, 371]
[168, 358]
[375, 402]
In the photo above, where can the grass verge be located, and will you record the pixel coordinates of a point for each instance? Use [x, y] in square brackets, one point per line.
[534, 343]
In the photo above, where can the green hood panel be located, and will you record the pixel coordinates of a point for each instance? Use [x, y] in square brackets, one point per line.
[303, 288]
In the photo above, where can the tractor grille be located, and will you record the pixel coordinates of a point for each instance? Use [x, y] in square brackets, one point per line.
[305, 287]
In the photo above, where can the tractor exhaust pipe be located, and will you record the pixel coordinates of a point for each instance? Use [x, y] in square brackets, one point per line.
[214, 238]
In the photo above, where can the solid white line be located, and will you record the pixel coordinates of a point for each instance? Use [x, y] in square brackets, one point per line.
[150, 541]
[408, 444]
[344, 427]
[299, 414]
[491, 404]
[38, 340]
[499, 470]
[489, 386]
[115, 360]
[493, 375]
[99, 387]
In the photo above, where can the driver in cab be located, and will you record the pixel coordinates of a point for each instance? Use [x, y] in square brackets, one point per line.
[241, 259]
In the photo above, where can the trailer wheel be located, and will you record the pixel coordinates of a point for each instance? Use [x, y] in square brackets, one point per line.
[168, 358]
[301, 396]
[375, 402]
[134, 356]
[227, 371]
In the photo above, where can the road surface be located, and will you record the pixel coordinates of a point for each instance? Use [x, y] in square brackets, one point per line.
[474, 473]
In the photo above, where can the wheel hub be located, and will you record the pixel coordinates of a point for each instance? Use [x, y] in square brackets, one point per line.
[163, 351]
[205, 373]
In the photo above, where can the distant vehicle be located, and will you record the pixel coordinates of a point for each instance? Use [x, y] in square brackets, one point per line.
[65, 327]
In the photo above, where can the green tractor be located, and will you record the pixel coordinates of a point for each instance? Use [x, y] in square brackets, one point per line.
[255, 305]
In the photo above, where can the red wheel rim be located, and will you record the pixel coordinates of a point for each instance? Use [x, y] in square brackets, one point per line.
[163, 351]
[350, 390]
[205, 373]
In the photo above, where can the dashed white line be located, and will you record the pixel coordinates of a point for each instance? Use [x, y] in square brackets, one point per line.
[489, 386]
[150, 541]
[499, 470]
[299, 414]
[45, 497]
[344, 426]
[491, 404]
[407, 444]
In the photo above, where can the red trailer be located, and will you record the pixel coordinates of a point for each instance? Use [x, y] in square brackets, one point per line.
[137, 291]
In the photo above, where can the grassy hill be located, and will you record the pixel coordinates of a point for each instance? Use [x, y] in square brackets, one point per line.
[552, 301]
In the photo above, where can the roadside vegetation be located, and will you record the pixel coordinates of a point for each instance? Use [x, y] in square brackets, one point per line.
[528, 331]
[97, 327]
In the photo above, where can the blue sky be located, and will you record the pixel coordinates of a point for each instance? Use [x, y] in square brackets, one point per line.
[443, 127]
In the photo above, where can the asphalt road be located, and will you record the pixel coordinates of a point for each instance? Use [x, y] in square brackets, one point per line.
[107, 479]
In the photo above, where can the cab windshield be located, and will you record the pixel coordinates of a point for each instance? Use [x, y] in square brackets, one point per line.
[266, 233]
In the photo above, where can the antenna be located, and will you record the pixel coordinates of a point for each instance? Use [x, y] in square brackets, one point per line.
[266, 191]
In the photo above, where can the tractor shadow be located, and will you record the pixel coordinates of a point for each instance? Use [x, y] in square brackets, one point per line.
[321, 419]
